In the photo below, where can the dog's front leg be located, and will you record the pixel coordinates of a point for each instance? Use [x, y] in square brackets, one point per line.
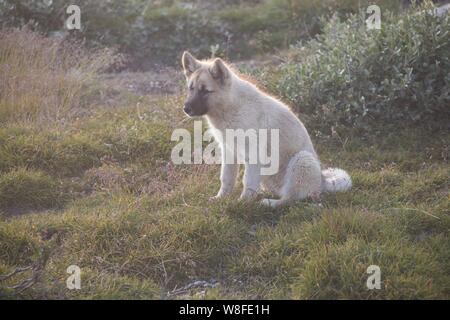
[228, 175]
[252, 179]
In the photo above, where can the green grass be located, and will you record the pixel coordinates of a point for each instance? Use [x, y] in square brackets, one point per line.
[27, 189]
[139, 228]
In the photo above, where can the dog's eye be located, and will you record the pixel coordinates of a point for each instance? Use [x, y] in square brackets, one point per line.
[205, 91]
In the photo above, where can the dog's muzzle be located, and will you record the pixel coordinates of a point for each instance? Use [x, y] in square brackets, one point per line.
[188, 110]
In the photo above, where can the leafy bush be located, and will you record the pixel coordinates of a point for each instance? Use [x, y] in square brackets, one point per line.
[352, 76]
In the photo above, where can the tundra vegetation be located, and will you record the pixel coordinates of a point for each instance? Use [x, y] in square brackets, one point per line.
[86, 177]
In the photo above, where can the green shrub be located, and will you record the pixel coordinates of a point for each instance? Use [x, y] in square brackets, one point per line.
[352, 76]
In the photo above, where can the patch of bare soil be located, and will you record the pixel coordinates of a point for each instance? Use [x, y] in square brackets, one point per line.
[170, 80]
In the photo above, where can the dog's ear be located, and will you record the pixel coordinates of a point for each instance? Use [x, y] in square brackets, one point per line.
[219, 70]
[190, 64]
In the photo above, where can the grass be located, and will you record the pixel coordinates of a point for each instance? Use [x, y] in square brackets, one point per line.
[45, 79]
[137, 236]
[100, 192]
[23, 188]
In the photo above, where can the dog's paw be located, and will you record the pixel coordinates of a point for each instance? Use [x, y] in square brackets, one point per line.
[248, 195]
[270, 202]
[212, 199]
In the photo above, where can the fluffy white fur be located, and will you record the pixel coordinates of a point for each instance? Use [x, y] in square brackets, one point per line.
[238, 104]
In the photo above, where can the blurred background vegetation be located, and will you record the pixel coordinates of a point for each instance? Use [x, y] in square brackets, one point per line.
[155, 32]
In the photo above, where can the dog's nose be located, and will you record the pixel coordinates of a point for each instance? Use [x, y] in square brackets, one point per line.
[187, 108]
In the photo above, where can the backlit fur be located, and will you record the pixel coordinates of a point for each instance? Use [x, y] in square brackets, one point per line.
[231, 102]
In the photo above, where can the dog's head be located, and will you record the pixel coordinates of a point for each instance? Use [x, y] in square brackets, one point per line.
[207, 82]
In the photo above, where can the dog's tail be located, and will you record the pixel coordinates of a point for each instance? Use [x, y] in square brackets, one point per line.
[334, 180]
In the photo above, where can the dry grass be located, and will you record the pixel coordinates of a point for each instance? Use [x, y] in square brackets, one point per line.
[43, 79]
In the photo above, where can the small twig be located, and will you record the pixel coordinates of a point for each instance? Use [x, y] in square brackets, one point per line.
[280, 58]
[25, 284]
[193, 285]
[166, 277]
[36, 268]
[184, 201]
[16, 271]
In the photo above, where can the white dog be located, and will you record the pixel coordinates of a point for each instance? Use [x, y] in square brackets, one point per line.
[230, 102]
